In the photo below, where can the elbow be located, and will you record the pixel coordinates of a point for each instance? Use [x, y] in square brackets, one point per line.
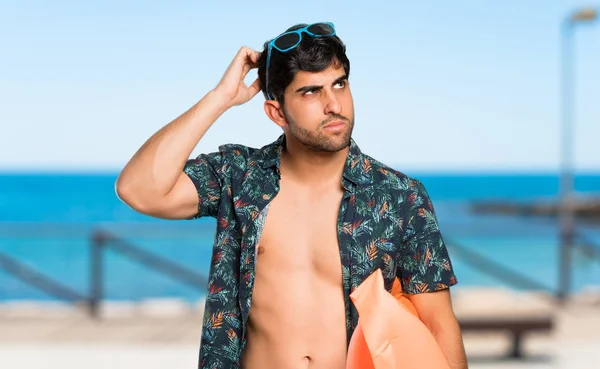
[141, 199]
[122, 191]
[131, 197]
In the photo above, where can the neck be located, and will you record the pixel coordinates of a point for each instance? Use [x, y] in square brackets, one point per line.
[311, 166]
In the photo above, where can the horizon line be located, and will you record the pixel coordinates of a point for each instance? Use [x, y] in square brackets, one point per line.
[413, 171]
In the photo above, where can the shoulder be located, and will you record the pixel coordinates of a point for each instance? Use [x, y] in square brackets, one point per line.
[236, 149]
[240, 151]
[236, 152]
[240, 157]
[226, 155]
[408, 191]
[386, 177]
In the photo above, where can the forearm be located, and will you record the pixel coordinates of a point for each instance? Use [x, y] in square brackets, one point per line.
[154, 169]
[449, 338]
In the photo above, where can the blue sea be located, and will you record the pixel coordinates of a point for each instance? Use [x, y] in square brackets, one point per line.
[47, 222]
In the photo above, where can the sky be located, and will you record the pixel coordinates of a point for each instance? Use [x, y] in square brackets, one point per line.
[438, 85]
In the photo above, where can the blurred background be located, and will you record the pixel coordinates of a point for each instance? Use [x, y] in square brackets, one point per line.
[493, 105]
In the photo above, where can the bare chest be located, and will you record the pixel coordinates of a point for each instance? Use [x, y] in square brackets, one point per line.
[300, 232]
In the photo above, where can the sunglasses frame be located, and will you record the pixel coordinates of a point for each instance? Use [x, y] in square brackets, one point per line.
[299, 31]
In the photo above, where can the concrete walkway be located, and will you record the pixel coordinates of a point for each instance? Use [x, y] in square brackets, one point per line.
[88, 355]
[166, 334]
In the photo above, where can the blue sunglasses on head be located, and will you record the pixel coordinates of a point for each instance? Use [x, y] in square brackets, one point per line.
[289, 40]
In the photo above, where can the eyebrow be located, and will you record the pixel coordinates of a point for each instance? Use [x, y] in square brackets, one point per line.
[318, 87]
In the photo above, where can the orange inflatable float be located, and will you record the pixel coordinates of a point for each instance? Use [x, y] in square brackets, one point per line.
[389, 334]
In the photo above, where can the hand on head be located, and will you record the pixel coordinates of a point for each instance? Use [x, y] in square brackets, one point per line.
[232, 85]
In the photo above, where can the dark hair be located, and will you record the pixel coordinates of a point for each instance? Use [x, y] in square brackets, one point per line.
[313, 54]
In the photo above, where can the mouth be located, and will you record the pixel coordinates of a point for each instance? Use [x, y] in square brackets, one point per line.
[336, 124]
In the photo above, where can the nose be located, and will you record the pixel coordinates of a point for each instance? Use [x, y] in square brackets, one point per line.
[332, 104]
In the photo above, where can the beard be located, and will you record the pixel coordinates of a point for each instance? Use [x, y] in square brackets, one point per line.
[318, 140]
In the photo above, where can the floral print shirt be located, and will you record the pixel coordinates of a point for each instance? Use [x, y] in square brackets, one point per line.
[386, 221]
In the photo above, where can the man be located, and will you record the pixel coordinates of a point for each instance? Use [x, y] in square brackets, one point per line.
[301, 222]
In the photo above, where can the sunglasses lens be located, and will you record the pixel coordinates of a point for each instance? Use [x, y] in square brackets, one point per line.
[321, 29]
[286, 41]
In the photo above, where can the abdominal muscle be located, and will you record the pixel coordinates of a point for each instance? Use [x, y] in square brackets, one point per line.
[297, 315]
[297, 321]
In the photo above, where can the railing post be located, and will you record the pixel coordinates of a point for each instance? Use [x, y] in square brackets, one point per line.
[567, 236]
[96, 273]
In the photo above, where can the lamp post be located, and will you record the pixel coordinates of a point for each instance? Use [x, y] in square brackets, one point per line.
[566, 208]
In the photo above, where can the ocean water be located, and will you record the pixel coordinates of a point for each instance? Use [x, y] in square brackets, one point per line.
[47, 222]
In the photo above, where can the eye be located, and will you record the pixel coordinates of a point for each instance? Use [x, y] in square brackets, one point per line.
[341, 84]
[309, 92]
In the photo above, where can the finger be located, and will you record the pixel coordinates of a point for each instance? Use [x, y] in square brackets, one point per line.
[252, 59]
[246, 53]
[245, 69]
[243, 52]
[254, 88]
[253, 55]
[241, 58]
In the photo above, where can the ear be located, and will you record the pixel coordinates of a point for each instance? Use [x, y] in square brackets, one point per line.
[274, 111]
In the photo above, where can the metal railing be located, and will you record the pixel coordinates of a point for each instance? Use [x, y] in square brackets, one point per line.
[495, 269]
[585, 246]
[39, 280]
[101, 240]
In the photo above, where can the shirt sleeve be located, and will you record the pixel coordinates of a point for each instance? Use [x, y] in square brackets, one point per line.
[206, 173]
[424, 263]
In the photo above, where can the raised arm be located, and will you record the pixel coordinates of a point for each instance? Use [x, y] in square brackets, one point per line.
[154, 182]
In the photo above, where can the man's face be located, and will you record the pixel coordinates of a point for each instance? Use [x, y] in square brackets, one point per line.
[319, 109]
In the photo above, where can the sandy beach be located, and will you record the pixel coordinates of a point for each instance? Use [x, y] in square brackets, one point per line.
[166, 333]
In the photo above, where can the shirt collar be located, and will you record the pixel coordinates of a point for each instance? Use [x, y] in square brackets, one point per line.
[357, 169]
